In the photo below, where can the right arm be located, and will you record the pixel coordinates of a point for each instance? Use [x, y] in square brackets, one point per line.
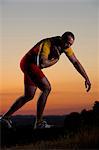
[44, 61]
[47, 63]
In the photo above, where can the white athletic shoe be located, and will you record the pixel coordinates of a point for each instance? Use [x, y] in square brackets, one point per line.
[42, 125]
[7, 121]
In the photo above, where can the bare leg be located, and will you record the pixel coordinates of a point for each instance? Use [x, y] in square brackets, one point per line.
[28, 95]
[46, 88]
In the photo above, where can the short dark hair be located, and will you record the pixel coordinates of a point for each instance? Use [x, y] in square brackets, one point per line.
[66, 34]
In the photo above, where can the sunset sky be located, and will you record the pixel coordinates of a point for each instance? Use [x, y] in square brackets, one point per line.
[22, 24]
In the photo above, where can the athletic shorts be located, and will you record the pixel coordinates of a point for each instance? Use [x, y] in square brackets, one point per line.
[32, 73]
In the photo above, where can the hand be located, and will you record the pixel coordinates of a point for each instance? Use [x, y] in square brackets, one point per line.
[87, 85]
[41, 66]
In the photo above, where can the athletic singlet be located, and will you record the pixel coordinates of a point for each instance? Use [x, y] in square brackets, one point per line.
[47, 48]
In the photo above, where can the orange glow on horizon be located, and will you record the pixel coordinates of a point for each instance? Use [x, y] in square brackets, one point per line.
[57, 103]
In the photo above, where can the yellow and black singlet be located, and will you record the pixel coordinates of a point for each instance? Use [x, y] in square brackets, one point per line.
[47, 48]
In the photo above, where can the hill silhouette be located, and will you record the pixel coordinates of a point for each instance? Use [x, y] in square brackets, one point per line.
[67, 126]
[86, 118]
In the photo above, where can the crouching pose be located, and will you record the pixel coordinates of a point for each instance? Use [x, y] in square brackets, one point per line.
[44, 54]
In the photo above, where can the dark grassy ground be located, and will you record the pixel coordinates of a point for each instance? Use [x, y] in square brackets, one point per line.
[56, 138]
[73, 131]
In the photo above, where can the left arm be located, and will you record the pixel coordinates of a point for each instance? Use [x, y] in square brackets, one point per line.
[80, 69]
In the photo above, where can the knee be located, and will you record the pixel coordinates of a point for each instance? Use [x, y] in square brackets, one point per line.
[28, 97]
[47, 88]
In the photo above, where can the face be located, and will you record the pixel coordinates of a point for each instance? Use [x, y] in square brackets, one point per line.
[69, 42]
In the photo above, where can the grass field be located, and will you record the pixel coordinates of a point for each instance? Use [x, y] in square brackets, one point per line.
[84, 139]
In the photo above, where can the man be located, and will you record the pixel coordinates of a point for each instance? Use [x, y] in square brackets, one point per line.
[44, 54]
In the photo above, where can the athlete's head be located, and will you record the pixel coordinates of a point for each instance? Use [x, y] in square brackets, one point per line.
[67, 39]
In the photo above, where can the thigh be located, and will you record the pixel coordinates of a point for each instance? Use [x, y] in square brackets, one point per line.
[28, 81]
[35, 77]
[29, 90]
[29, 86]
[32, 74]
[44, 84]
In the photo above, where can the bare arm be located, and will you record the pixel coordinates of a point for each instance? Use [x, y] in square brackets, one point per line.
[47, 63]
[44, 61]
[81, 70]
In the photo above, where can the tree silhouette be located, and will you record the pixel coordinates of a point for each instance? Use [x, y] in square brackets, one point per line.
[96, 107]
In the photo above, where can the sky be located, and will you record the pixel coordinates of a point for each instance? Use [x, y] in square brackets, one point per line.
[25, 22]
